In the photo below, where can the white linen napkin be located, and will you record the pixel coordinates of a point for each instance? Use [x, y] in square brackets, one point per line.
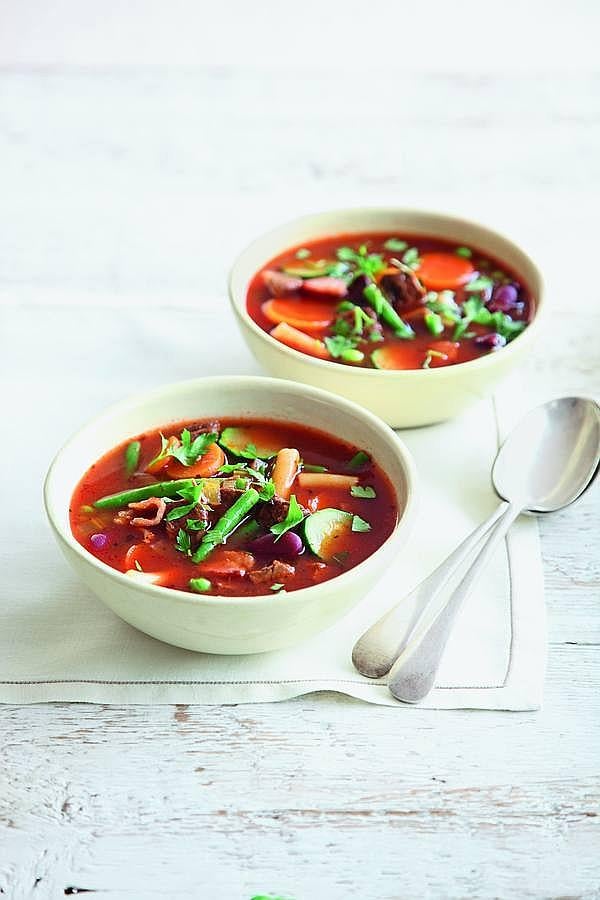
[61, 364]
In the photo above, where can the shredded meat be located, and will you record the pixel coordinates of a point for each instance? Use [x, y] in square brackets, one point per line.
[279, 284]
[199, 513]
[316, 569]
[274, 572]
[204, 428]
[356, 288]
[274, 511]
[403, 289]
[377, 326]
[157, 504]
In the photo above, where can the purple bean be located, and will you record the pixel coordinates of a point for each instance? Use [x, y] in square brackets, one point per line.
[506, 299]
[493, 341]
[99, 541]
[288, 546]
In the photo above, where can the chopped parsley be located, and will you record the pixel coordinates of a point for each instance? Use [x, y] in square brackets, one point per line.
[411, 258]
[395, 245]
[365, 492]
[359, 460]
[242, 470]
[192, 495]
[359, 524]
[350, 327]
[293, 518]
[277, 587]
[481, 283]
[183, 542]
[464, 252]
[302, 253]
[504, 325]
[444, 305]
[474, 310]
[132, 457]
[187, 452]
[190, 451]
[266, 491]
[196, 525]
[316, 269]
[363, 262]
[339, 344]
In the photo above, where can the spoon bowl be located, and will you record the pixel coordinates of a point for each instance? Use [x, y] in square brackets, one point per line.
[551, 456]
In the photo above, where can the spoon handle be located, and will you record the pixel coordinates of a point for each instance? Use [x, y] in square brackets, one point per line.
[378, 648]
[413, 674]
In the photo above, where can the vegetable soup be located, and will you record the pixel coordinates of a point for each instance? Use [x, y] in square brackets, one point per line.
[234, 508]
[390, 301]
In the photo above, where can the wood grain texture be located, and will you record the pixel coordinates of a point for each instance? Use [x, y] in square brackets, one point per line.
[138, 186]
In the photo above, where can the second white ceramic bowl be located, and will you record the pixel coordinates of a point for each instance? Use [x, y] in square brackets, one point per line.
[404, 398]
[229, 624]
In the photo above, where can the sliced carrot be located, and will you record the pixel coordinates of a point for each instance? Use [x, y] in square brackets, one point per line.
[309, 315]
[206, 465]
[444, 271]
[296, 339]
[406, 356]
[284, 472]
[403, 355]
[157, 465]
[316, 481]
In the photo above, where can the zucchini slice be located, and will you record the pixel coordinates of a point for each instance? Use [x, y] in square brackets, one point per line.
[321, 528]
[248, 442]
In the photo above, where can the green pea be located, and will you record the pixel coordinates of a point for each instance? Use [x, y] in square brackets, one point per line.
[200, 585]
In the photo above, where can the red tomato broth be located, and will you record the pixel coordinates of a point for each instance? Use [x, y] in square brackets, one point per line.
[407, 354]
[108, 476]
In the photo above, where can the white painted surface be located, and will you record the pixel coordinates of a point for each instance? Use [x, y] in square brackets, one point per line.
[138, 186]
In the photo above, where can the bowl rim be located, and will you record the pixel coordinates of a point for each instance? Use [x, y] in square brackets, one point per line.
[405, 516]
[240, 309]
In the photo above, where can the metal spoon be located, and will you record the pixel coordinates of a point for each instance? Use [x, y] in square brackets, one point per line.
[546, 463]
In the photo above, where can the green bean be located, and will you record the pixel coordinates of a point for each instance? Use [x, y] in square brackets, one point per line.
[159, 489]
[386, 311]
[132, 457]
[226, 524]
[246, 532]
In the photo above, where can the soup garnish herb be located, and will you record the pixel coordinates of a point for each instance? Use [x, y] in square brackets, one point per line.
[339, 296]
[132, 457]
[267, 507]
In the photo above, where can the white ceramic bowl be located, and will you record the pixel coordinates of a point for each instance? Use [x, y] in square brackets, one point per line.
[403, 398]
[228, 624]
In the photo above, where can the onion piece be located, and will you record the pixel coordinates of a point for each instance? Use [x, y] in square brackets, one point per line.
[317, 480]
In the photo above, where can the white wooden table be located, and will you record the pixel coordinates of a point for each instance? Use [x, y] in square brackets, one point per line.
[139, 186]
